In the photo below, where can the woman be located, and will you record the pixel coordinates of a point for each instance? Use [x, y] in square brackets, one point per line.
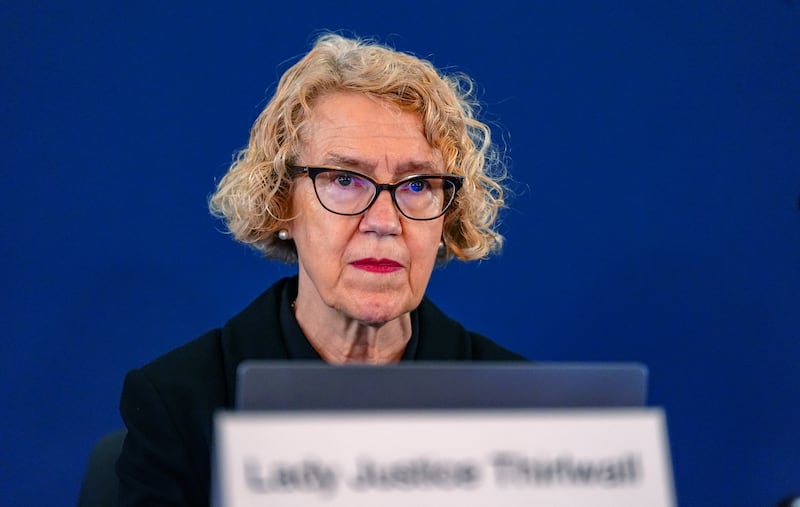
[366, 168]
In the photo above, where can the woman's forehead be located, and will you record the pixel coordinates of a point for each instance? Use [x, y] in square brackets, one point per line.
[348, 113]
[361, 132]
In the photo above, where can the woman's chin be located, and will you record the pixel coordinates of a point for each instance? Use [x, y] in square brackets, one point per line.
[374, 314]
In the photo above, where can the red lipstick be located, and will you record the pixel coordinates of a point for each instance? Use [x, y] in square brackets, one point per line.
[377, 265]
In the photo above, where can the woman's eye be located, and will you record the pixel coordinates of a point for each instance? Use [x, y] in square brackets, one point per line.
[343, 180]
[417, 185]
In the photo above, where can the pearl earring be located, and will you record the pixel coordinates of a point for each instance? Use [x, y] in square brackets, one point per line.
[283, 234]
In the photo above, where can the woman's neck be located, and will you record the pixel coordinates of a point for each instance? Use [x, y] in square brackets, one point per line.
[340, 339]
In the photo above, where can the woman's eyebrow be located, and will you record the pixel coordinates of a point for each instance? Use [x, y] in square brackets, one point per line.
[417, 166]
[403, 169]
[348, 162]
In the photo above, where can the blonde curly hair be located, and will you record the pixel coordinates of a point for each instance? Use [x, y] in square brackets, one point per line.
[254, 197]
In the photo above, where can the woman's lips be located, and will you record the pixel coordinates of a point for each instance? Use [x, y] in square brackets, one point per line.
[377, 265]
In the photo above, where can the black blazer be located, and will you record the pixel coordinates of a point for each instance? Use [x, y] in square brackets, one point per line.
[168, 404]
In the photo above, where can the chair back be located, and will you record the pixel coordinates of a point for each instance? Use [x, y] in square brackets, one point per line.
[100, 486]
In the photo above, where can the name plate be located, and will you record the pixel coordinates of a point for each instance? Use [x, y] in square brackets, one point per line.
[611, 458]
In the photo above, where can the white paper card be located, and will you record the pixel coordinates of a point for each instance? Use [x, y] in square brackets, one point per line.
[611, 458]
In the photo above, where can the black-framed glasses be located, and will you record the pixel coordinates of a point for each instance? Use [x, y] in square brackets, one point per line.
[418, 197]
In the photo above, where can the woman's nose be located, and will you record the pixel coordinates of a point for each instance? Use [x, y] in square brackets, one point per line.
[382, 217]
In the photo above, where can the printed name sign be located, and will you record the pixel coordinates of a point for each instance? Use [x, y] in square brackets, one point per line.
[613, 458]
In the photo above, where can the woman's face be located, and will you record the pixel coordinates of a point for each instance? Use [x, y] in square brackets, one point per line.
[372, 267]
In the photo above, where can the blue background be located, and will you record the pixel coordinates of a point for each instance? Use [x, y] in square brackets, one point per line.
[655, 148]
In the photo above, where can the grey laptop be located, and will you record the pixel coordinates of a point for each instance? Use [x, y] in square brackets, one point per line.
[293, 385]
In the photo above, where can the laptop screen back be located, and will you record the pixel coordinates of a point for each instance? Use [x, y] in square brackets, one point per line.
[293, 385]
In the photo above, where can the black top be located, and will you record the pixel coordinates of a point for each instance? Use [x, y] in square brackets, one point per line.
[168, 404]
